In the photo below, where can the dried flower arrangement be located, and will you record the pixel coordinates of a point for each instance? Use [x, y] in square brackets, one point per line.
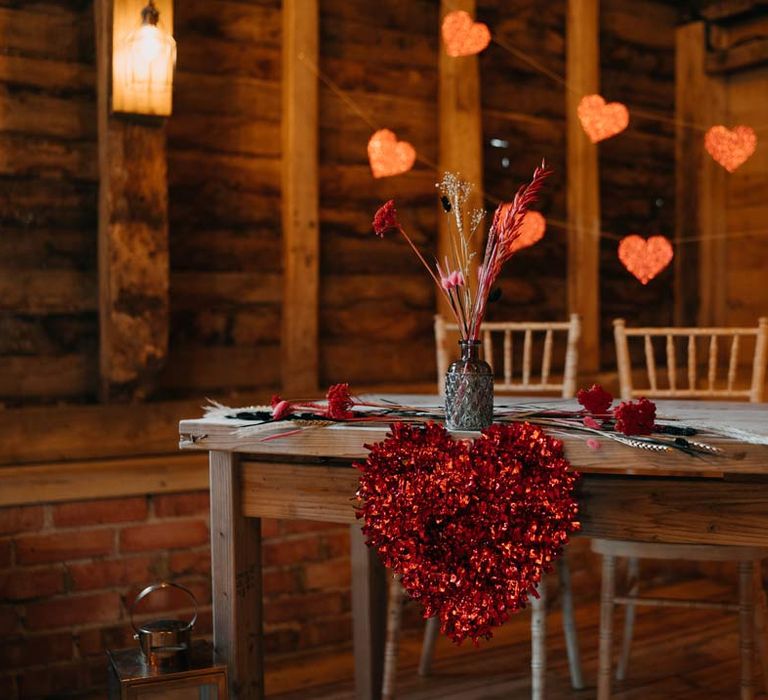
[467, 294]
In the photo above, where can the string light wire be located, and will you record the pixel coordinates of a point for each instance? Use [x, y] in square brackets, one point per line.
[492, 199]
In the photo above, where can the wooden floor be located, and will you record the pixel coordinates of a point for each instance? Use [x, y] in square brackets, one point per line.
[677, 653]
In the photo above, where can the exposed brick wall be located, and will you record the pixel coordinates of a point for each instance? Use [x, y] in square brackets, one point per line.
[68, 572]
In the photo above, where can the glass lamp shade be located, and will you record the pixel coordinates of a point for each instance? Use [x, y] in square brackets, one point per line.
[142, 71]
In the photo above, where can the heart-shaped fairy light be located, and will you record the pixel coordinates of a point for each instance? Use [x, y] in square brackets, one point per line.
[388, 156]
[645, 258]
[470, 526]
[601, 120]
[532, 231]
[463, 36]
[731, 147]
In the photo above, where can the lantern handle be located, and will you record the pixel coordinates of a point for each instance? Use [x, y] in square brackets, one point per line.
[157, 587]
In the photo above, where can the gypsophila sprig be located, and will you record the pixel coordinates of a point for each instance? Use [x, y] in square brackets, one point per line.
[465, 289]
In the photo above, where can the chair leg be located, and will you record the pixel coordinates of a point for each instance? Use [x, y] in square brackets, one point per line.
[746, 628]
[569, 626]
[607, 591]
[431, 631]
[539, 643]
[761, 623]
[633, 588]
[394, 616]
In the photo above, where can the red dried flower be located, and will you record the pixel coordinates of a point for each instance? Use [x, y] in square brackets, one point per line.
[595, 399]
[469, 526]
[339, 402]
[276, 399]
[635, 418]
[385, 219]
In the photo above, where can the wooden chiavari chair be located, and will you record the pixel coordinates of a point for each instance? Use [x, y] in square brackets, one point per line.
[532, 380]
[668, 383]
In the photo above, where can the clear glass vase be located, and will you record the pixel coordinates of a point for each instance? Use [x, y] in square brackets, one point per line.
[469, 390]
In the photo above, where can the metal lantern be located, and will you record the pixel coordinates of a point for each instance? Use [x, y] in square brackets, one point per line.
[166, 665]
[143, 62]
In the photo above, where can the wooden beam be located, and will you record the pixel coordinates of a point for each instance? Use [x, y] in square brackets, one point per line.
[47, 434]
[583, 197]
[728, 9]
[738, 58]
[676, 511]
[301, 240]
[700, 186]
[108, 478]
[133, 229]
[460, 122]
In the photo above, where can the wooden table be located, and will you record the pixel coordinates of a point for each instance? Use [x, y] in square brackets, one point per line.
[626, 493]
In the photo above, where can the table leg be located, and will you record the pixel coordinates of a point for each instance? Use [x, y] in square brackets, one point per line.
[369, 608]
[236, 567]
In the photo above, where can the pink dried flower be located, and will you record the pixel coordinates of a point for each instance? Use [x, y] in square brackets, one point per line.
[452, 279]
[281, 409]
[385, 219]
[593, 444]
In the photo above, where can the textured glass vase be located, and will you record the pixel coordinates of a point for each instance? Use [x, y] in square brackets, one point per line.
[469, 390]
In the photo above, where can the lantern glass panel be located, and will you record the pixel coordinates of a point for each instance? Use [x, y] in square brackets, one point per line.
[143, 65]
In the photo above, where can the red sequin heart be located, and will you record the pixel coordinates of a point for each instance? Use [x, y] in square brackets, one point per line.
[388, 156]
[470, 526]
[463, 36]
[731, 147]
[600, 120]
[645, 258]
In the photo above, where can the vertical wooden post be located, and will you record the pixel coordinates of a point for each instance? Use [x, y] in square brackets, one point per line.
[133, 227]
[583, 199]
[300, 216]
[237, 581]
[461, 134]
[700, 186]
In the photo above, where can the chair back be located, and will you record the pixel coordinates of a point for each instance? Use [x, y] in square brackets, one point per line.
[692, 342]
[533, 377]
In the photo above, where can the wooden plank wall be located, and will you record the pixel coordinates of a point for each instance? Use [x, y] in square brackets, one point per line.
[224, 191]
[48, 203]
[376, 302]
[637, 168]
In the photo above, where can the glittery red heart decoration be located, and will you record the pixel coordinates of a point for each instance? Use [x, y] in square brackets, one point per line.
[645, 258]
[532, 231]
[469, 525]
[731, 147]
[463, 36]
[601, 120]
[388, 156]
